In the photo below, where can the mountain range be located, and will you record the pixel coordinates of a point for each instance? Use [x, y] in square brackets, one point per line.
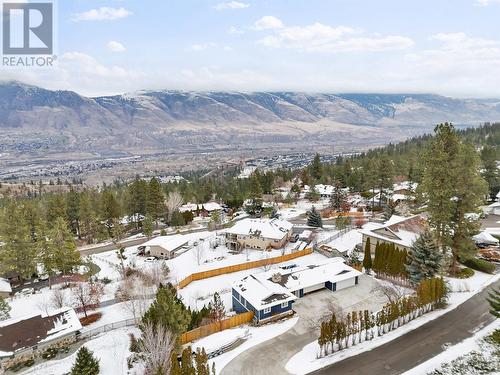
[36, 120]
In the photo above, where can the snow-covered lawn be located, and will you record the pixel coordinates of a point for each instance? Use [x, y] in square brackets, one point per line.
[256, 335]
[456, 351]
[306, 360]
[111, 348]
[347, 241]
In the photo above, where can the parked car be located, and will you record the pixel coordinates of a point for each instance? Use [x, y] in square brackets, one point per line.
[294, 238]
[150, 259]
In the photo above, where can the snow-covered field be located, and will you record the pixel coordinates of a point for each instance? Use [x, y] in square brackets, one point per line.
[111, 348]
[473, 343]
[306, 360]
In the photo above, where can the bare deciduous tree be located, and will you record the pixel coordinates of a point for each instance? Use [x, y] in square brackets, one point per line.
[199, 252]
[87, 296]
[58, 299]
[156, 344]
[135, 295]
[173, 202]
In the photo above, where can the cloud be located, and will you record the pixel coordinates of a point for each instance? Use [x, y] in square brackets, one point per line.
[485, 3]
[461, 40]
[323, 38]
[235, 31]
[231, 5]
[102, 14]
[115, 46]
[201, 46]
[267, 23]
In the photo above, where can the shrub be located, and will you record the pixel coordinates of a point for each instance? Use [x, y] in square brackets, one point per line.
[30, 362]
[480, 265]
[85, 321]
[49, 353]
[494, 337]
[465, 273]
[106, 280]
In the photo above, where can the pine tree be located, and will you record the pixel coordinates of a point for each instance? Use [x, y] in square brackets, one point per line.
[316, 167]
[63, 244]
[367, 260]
[88, 218]
[314, 218]
[147, 226]
[18, 253]
[494, 301]
[168, 310]
[155, 199]
[73, 211]
[255, 194]
[216, 308]
[425, 258]
[4, 309]
[85, 363]
[338, 197]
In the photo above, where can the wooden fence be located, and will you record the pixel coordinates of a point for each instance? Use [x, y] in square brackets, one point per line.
[241, 267]
[209, 329]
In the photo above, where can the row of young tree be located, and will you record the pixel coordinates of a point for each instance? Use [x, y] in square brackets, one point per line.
[389, 261]
[339, 332]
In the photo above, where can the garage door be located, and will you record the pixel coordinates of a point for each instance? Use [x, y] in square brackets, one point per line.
[345, 283]
[313, 288]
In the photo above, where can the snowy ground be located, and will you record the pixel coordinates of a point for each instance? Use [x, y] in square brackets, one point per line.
[306, 360]
[256, 335]
[112, 350]
[347, 241]
[474, 343]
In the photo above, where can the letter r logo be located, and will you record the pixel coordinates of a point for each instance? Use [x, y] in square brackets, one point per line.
[27, 28]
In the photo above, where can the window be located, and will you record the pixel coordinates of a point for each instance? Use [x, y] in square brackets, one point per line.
[284, 305]
[267, 310]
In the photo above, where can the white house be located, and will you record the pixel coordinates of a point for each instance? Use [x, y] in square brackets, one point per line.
[399, 230]
[27, 337]
[259, 234]
[203, 209]
[493, 209]
[167, 246]
[271, 294]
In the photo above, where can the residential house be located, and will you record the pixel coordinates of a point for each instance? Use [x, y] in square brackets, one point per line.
[28, 337]
[270, 295]
[202, 210]
[261, 234]
[401, 231]
[167, 247]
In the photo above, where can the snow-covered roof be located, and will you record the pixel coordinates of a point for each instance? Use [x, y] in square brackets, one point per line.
[398, 229]
[209, 206]
[347, 242]
[262, 291]
[405, 185]
[36, 328]
[5, 286]
[169, 243]
[305, 234]
[274, 229]
[486, 238]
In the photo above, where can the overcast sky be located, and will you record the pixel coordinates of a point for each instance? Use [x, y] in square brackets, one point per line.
[449, 47]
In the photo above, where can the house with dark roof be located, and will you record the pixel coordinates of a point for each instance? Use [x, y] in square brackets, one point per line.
[30, 336]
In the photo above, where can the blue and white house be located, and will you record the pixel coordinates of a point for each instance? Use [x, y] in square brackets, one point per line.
[270, 295]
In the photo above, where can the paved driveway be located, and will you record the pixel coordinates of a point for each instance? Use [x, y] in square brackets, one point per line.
[271, 356]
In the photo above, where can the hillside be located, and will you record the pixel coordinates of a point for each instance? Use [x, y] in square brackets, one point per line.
[36, 120]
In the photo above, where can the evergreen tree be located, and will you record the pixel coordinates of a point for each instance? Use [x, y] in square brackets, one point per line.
[147, 226]
[88, 218]
[255, 194]
[316, 167]
[46, 253]
[63, 244]
[216, 308]
[155, 199]
[367, 260]
[18, 253]
[338, 198]
[177, 219]
[85, 363]
[4, 309]
[313, 194]
[168, 310]
[385, 176]
[314, 218]
[73, 211]
[425, 258]
[494, 301]
[110, 208]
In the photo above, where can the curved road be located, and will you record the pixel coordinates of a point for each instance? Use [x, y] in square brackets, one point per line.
[395, 357]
